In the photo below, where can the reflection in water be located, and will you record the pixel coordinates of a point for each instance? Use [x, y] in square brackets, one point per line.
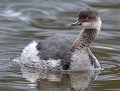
[22, 21]
[59, 81]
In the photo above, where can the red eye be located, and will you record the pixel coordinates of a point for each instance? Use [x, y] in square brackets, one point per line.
[87, 19]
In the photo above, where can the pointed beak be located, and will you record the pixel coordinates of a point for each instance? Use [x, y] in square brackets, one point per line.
[76, 23]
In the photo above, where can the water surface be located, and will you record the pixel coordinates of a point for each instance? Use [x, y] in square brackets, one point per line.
[22, 21]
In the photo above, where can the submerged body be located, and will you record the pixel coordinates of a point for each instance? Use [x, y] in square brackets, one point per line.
[69, 54]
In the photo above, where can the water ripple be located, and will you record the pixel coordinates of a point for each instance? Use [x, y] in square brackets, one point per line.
[22, 21]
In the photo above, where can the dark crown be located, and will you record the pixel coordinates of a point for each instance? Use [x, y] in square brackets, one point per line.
[88, 12]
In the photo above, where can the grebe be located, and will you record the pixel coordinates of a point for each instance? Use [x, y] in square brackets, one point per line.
[64, 54]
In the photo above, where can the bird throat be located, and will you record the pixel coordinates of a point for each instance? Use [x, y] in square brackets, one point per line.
[84, 39]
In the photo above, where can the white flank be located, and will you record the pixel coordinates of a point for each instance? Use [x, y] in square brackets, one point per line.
[29, 53]
[30, 58]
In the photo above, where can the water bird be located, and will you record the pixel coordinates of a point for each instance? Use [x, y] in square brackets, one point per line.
[64, 54]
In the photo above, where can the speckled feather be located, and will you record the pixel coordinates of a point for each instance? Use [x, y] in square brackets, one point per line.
[74, 55]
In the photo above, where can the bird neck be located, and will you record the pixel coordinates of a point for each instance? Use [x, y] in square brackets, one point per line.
[85, 38]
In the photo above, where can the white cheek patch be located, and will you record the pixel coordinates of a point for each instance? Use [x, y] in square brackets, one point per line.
[86, 25]
[92, 25]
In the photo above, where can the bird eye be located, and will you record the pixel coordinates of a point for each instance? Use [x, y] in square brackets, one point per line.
[87, 19]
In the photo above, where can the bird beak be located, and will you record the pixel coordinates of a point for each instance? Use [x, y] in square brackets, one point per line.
[77, 23]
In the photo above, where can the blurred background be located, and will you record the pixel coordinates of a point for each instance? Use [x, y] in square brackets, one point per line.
[22, 21]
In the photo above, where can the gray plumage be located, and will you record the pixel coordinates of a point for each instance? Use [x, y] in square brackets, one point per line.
[56, 48]
[74, 54]
[60, 48]
[53, 47]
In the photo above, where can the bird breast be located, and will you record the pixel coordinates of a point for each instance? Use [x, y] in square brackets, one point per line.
[80, 60]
